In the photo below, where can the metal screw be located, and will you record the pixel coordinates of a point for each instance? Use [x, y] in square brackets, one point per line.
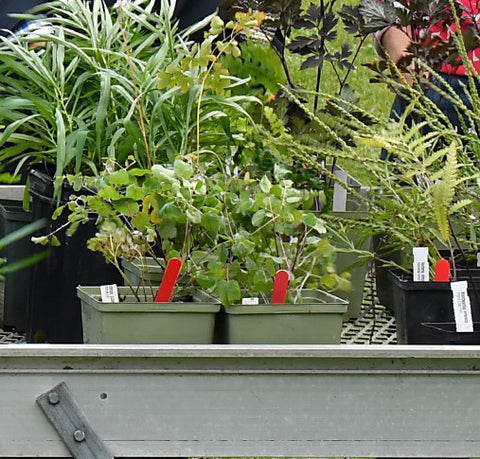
[79, 435]
[53, 398]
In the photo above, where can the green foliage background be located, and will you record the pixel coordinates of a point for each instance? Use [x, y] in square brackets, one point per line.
[372, 96]
[375, 98]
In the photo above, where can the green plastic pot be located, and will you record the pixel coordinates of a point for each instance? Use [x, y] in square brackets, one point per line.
[132, 322]
[144, 271]
[317, 319]
[347, 205]
[351, 262]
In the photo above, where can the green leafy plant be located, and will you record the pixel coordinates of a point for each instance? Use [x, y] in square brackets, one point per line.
[81, 100]
[72, 104]
[429, 195]
[7, 266]
[232, 233]
[297, 38]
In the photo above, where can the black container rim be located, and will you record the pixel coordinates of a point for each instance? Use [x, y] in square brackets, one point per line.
[404, 280]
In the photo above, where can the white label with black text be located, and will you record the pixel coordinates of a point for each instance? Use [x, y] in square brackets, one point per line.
[339, 203]
[462, 307]
[250, 301]
[421, 268]
[109, 293]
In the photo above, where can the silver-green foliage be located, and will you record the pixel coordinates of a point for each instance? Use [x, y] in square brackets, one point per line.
[232, 232]
[92, 94]
[74, 102]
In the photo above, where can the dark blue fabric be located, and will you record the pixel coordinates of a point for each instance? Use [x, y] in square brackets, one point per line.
[459, 84]
[187, 11]
[191, 11]
[8, 7]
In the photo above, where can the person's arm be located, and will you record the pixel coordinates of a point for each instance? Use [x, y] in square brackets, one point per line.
[395, 41]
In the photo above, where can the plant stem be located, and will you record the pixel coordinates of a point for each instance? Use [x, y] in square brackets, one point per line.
[347, 73]
[138, 103]
[320, 66]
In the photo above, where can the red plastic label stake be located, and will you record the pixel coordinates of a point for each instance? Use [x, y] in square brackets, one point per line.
[168, 281]
[280, 287]
[442, 271]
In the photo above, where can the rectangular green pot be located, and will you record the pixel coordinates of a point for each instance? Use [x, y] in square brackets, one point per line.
[131, 322]
[354, 209]
[144, 271]
[316, 320]
[352, 263]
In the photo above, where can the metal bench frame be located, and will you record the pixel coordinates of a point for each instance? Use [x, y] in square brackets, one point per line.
[192, 401]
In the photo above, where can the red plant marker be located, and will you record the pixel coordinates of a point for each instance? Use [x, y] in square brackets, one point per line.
[280, 287]
[168, 281]
[442, 271]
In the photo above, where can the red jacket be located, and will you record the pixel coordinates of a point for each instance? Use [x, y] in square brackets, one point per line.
[470, 17]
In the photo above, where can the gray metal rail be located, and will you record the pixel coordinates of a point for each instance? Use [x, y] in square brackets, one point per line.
[153, 401]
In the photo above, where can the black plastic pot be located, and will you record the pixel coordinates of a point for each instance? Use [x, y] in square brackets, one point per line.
[54, 311]
[16, 284]
[383, 281]
[424, 310]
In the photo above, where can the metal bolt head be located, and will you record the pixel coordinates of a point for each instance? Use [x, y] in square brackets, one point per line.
[53, 398]
[79, 435]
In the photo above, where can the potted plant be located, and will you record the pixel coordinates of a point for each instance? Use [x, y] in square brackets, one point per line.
[305, 36]
[202, 207]
[75, 105]
[180, 320]
[232, 233]
[427, 195]
[427, 198]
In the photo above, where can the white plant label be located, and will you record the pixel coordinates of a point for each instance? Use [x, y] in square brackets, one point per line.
[478, 260]
[250, 301]
[462, 307]
[109, 293]
[421, 269]
[339, 203]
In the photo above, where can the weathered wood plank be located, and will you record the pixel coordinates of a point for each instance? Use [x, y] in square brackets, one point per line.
[152, 401]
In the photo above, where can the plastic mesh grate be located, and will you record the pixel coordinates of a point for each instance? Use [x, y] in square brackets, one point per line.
[375, 325]
[7, 337]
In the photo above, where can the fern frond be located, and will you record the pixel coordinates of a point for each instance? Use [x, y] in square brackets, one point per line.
[434, 157]
[443, 192]
[459, 205]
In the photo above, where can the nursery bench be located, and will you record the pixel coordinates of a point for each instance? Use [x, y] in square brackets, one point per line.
[183, 401]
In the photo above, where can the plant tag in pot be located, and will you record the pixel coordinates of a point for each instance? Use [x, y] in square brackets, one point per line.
[462, 307]
[169, 279]
[280, 287]
[478, 260]
[420, 264]
[339, 203]
[109, 293]
[442, 271]
[250, 301]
